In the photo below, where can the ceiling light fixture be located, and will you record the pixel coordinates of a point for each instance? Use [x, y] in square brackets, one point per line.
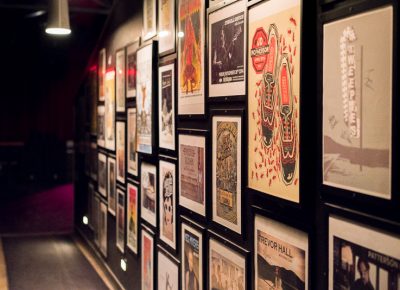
[58, 22]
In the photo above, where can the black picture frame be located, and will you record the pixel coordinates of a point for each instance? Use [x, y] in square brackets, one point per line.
[173, 259]
[175, 18]
[134, 46]
[117, 76]
[150, 233]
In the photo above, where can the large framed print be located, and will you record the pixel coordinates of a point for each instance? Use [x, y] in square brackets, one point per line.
[102, 73]
[132, 218]
[191, 43]
[103, 228]
[362, 257]
[227, 50]
[102, 174]
[357, 103]
[149, 19]
[131, 69]
[167, 206]
[144, 102]
[227, 171]
[166, 23]
[100, 126]
[148, 191]
[274, 98]
[132, 155]
[192, 171]
[166, 101]
[112, 185]
[120, 80]
[109, 114]
[147, 261]
[120, 220]
[280, 256]
[120, 151]
[168, 271]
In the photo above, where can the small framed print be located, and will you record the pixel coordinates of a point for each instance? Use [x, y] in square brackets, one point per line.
[166, 101]
[132, 155]
[167, 27]
[227, 50]
[103, 229]
[121, 151]
[131, 69]
[112, 185]
[120, 220]
[149, 19]
[227, 170]
[100, 126]
[148, 191]
[109, 114]
[147, 260]
[93, 160]
[132, 218]
[120, 80]
[168, 271]
[167, 215]
[102, 174]
[280, 255]
[102, 73]
[192, 171]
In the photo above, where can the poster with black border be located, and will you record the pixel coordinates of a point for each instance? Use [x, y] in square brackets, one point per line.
[168, 272]
[103, 228]
[102, 71]
[132, 155]
[120, 154]
[131, 69]
[109, 110]
[148, 191]
[112, 185]
[147, 261]
[120, 219]
[102, 174]
[120, 80]
[167, 26]
[132, 221]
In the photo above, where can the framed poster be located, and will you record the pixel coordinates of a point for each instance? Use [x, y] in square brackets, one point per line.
[274, 98]
[131, 69]
[132, 218]
[191, 45]
[102, 175]
[166, 101]
[148, 193]
[103, 228]
[149, 19]
[166, 23]
[121, 151]
[144, 102]
[227, 50]
[93, 160]
[212, 3]
[357, 103]
[96, 221]
[112, 185]
[132, 155]
[109, 115]
[280, 255]
[192, 258]
[93, 99]
[168, 271]
[102, 73]
[362, 257]
[120, 80]
[100, 126]
[167, 206]
[120, 220]
[192, 171]
[147, 258]
[227, 171]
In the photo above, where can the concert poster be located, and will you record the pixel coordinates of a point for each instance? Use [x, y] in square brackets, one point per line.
[109, 110]
[131, 149]
[120, 80]
[112, 185]
[102, 71]
[166, 100]
[103, 228]
[168, 273]
[147, 261]
[357, 103]
[148, 193]
[120, 220]
[131, 69]
[132, 218]
[102, 174]
[274, 98]
[227, 34]
[120, 151]
[166, 22]
[149, 19]
[192, 261]
[100, 126]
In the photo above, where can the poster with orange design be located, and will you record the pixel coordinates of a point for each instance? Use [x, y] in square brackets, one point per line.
[132, 218]
[274, 98]
[147, 261]
[191, 57]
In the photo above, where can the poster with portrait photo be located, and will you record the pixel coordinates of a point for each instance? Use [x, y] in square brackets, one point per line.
[168, 272]
[147, 261]
[280, 256]
[227, 50]
[93, 160]
[120, 80]
[227, 268]
[166, 23]
[166, 101]
[120, 220]
[102, 174]
[148, 191]
[121, 151]
[357, 103]
[149, 19]
[192, 171]
[103, 229]
[112, 185]
[191, 43]
[100, 126]
[167, 206]
[131, 69]
[132, 218]
[102, 72]
[109, 114]
[131, 152]
[362, 257]
[192, 258]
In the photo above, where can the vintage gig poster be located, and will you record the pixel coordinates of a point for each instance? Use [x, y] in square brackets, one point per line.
[166, 22]
[168, 273]
[357, 103]
[147, 261]
[120, 80]
[281, 256]
[227, 268]
[274, 98]
[166, 101]
[100, 126]
[131, 149]
[148, 193]
[144, 102]
[192, 165]
[227, 148]
[103, 228]
[109, 114]
[192, 261]
[361, 257]
[191, 57]
[132, 218]
[149, 19]
[131, 69]
[120, 220]
[102, 174]
[227, 34]
[112, 186]
[167, 203]
[102, 72]
[120, 151]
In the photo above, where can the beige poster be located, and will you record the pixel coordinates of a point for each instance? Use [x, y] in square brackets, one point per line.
[109, 107]
[274, 98]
